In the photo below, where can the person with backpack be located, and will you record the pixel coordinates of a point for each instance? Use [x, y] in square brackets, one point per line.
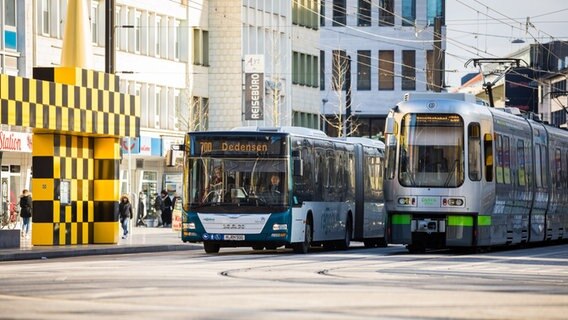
[158, 207]
[25, 211]
[166, 209]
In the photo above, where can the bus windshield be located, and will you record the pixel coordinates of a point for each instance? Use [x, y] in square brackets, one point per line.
[431, 150]
[238, 185]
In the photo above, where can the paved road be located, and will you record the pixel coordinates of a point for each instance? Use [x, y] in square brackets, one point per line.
[381, 283]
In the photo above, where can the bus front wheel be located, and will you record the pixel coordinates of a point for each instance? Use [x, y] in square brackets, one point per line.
[304, 247]
[210, 247]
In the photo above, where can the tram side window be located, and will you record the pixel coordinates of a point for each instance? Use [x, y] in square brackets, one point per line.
[499, 163]
[538, 167]
[544, 168]
[474, 152]
[521, 162]
[303, 185]
[506, 160]
[556, 180]
[488, 148]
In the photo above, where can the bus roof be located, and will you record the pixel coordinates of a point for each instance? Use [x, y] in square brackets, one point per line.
[285, 129]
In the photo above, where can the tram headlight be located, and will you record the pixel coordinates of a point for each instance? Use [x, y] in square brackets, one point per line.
[407, 201]
[280, 227]
[453, 202]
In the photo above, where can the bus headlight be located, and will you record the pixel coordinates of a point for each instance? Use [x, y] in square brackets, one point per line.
[279, 227]
[189, 225]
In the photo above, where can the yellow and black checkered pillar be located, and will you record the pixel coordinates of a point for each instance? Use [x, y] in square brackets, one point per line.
[106, 189]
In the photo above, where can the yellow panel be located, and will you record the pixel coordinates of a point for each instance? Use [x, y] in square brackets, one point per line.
[44, 92]
[74, 189]
[43, 144]
[71, 99]
[32, 93]
[106, 190]
[79, 211]
[100, 124]
[25, 114]
[52, 117]
[94, 98]
[57, 167]
[73, 146]
[106, 232]
[12, 112]
[68, 168]
[68, 214]
[80, 168]
[57, 208]
[85, 227]
[90, 79]
[91, 169]
[19, 88]
[4, 86]
[62, 230]
[82, 98]
[43, 189]
[42, 234]
[64, 119]
[74, 233]
[58, 94]
[106, 103]
[112, 81]
[65, 75]
[107, 148]
[91, 208]
[101, 83]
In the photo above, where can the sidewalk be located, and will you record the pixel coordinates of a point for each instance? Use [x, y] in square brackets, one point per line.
[140, 240]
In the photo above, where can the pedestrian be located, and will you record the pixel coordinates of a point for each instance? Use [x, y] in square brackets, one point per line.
[125, 214]
[158, 207]
[166, 209]
[25, 211]
[141, 210]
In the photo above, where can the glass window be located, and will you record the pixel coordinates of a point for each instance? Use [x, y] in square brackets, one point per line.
[506, 160]
[137, 31]
[521, 162]
[158, 106]
[488, 151]
[386, 70]
[339, 13]
[431, 151]
[430, 85]
[94, 19]
[45, 17]
[386, 13]
[364, 14]
[10, 13]
[364, 70]
[322, 70]
[205, 52]
[474, 152]
[499, 164]
[408, 70]
[435, 8]
[322, 13]
[158, 35]
[408, 12]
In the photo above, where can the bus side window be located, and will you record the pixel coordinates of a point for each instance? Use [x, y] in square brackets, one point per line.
[488, 148]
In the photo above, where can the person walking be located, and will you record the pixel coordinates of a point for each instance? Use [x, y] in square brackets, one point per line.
[141, 210]
[125, 214]
[25, 211]
[159, 207]
[166, 209]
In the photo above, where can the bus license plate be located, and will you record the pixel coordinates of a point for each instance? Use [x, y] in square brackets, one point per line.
[234, 237]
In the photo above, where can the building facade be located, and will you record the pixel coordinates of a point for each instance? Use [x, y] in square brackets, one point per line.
[390, 46]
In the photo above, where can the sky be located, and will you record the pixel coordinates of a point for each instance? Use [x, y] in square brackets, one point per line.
[485, 29]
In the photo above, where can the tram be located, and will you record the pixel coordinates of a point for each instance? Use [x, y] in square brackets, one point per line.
[460, 174]
[287, 186]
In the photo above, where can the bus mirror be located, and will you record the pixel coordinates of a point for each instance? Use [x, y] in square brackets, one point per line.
[177, 147]
[170, 158]
[389, 126]
[298, 168]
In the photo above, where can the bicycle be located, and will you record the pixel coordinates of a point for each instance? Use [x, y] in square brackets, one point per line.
[10, 216]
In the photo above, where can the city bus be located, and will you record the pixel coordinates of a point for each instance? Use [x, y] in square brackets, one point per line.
[289, 186]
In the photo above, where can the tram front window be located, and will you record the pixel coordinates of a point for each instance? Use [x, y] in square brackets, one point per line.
[238, 185]
[431, 151]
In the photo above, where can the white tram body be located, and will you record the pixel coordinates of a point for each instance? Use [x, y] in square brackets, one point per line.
[461, 174]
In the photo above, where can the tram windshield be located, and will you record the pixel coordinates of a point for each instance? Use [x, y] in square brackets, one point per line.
[431, 150]
[238, 185]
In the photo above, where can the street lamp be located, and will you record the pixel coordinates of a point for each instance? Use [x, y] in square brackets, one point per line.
[322, 113]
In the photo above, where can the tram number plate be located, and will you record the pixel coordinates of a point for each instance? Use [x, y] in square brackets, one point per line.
[234, 237]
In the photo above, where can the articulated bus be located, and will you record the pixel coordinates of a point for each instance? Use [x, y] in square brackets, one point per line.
[288, 186]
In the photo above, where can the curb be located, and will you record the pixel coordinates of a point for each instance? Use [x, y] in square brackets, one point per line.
[78, 252]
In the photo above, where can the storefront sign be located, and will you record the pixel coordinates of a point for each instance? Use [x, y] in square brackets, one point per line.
[254, 87]
[15, 141]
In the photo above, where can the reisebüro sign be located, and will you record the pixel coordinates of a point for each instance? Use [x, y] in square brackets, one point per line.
[254, 87]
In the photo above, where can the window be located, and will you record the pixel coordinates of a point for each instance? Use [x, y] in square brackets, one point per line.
[10, 13]
[521, 163]
[506, 160]
[339, 13]
[364, 70]
[430, 70]
[205, 52]
[158, 106]
[474, 151]
[177, 35]
[158, 35]
[339, 70]
[117, 31]
[94, 19]
[408, 12]
[408, 70]
[304, 13]
[45, 16]
[322, 13]
[386, 70]
[200, 47]
[322, 70]
[435, 8]
[364, 14]
[137, 31]
[304, 69]
[386, 13]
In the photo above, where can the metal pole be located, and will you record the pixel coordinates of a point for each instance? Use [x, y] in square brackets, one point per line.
[110, 47]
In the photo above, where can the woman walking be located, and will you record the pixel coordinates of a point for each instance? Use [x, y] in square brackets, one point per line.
[125, 212]
[25, 211]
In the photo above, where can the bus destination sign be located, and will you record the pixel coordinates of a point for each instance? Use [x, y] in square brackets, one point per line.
[240, 146]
